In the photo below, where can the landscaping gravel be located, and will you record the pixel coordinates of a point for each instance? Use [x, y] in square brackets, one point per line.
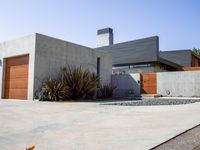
[152, 102]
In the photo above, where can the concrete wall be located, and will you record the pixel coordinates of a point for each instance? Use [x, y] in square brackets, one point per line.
[53, 54]
[25, 45]
[126, 84]
[169, 84]
[179, 83]
[48, 55]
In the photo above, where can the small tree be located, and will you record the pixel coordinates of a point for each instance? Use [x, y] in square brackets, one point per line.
[196, 51]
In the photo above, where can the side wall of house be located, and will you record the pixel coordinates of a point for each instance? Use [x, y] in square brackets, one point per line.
[22, 46]
[53, 54]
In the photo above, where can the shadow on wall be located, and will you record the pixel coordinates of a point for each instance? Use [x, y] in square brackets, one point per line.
[128, 85]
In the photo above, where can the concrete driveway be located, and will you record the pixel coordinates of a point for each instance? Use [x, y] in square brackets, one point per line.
[91, 126]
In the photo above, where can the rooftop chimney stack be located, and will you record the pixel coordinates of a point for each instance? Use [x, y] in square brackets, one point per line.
[104, 37]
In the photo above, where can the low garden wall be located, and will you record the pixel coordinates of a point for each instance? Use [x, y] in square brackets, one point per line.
[182, 83]
[127, 84]
[169, 84]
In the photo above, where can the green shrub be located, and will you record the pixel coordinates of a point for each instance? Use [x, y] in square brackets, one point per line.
[53, 90]
[106, 91]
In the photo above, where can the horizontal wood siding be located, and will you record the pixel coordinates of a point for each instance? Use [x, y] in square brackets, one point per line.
[16, 77]
[190, 69]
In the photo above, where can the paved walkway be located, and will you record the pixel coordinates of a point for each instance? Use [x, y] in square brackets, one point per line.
[90, 126]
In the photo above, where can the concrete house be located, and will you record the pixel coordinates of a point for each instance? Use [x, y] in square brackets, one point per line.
[143, 55]
[27, 61]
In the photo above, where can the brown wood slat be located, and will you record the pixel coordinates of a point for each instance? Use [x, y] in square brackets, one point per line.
[16, 93]
[20, 71]
[191, 69]
[16, 80]
[16, 61]
[17, 83]
[149, 83]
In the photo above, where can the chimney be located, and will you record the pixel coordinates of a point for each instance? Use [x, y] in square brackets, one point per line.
[104, 37]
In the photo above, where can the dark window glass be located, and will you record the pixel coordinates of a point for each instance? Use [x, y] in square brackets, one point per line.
[98, 65]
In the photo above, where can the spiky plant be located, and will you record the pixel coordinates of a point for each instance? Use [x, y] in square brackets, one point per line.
[81, 83]
[54, 90]
[106, 91]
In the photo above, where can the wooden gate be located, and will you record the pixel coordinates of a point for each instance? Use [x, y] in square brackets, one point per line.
[148, 83]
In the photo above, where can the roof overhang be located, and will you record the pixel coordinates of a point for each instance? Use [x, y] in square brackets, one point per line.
[169, 63]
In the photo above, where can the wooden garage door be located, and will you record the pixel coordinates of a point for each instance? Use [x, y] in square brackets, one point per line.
[16, 77]
[148, 83]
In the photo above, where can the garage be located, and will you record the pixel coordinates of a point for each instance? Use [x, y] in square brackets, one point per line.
[16, 77]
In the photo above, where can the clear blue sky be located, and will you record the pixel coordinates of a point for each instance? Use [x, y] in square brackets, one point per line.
[176, 22]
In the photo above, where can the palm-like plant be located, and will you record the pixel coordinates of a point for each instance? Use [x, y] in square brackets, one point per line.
[81, 83]
[54, 90]
[106, 91]
[74, 83]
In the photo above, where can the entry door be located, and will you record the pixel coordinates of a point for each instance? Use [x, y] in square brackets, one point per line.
[148, 83]
[16, 77]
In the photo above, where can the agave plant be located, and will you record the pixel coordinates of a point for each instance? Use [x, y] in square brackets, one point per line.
[81, 83]
[106, 91]
[54, 90]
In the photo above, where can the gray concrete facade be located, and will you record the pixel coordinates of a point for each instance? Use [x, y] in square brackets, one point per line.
[183, 84]
[48, 55]
[18, 47]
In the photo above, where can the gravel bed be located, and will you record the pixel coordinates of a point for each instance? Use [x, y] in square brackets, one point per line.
[153, 102]
[188, 140]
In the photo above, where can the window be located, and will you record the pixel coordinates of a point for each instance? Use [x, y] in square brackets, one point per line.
[98, 65]
[128, 67]
[120, 68]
